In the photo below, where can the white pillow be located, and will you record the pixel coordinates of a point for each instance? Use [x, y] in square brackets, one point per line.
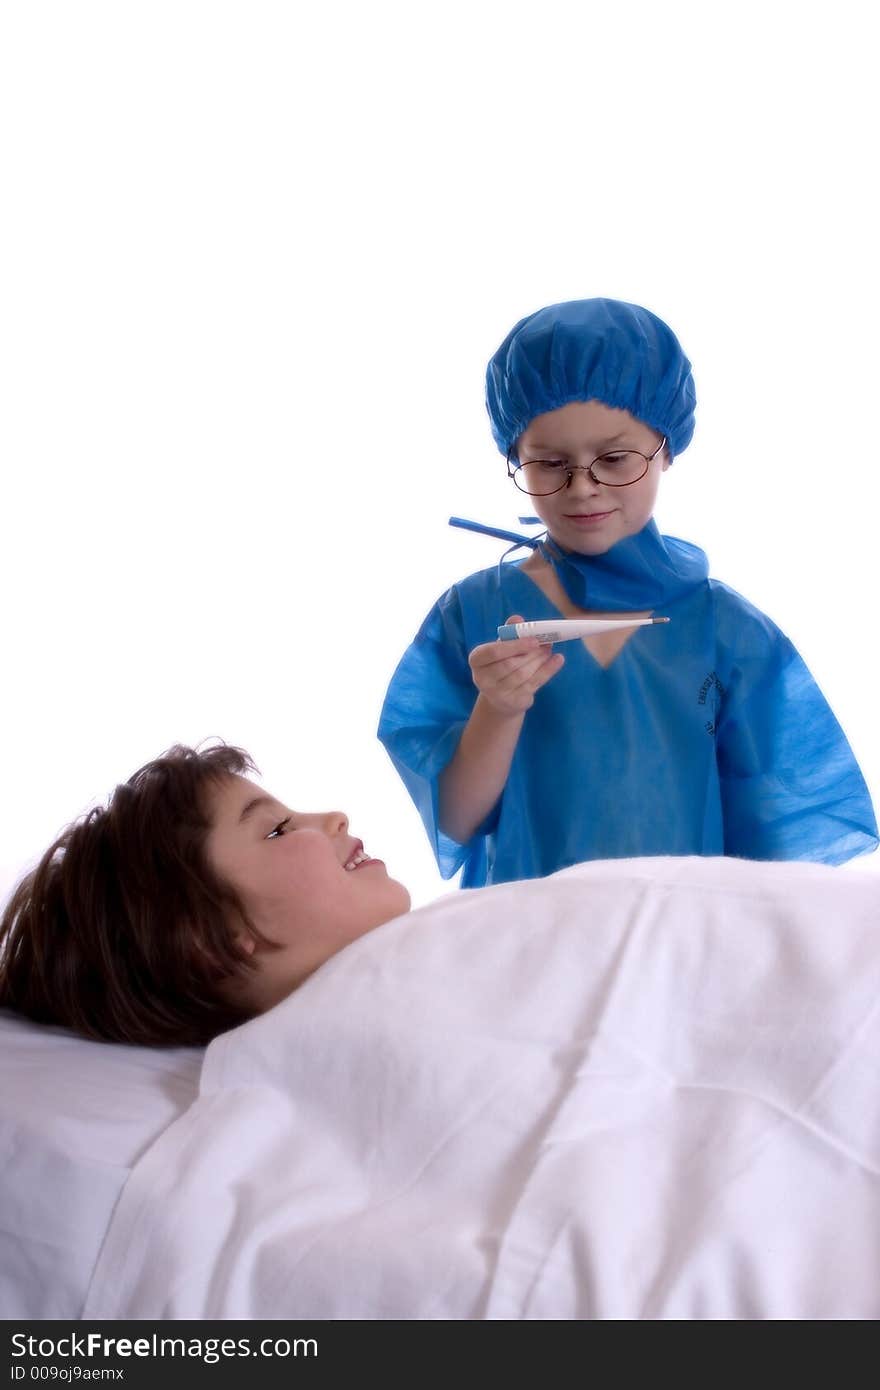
[75, 1116]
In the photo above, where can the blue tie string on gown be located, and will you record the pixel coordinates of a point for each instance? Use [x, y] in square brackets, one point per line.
[707, 735]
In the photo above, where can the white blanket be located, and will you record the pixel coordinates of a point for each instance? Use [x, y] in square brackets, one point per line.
[638, 1089]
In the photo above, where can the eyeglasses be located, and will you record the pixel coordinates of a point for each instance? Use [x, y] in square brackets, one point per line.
[621, 468]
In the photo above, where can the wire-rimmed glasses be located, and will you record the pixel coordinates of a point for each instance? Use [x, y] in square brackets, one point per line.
[618, 468]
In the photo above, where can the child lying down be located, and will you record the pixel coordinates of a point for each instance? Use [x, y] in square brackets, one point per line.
[642, 1088]
[190, 903]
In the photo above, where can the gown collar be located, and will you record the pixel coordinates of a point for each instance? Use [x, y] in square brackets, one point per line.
[646, 570]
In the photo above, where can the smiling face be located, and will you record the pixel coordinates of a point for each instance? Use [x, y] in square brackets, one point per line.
[590, 517]
[304, 881]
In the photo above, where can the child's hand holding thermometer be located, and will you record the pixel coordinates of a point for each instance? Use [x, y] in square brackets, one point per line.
[507, 674]
[509, 671]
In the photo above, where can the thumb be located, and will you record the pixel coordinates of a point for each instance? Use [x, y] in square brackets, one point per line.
[516, 618]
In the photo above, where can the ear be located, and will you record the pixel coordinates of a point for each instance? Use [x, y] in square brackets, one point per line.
[246, 942]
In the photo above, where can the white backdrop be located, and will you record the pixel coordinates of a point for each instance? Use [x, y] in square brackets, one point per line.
[255, 258]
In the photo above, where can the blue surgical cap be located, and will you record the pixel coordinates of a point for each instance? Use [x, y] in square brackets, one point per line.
[591, 350]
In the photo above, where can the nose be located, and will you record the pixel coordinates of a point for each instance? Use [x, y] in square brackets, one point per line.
[580, 477]
[334, 822]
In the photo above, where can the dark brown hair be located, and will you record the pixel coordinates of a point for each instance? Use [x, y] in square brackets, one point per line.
[123, 931]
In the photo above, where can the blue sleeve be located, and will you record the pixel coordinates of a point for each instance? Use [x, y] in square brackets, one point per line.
[790, 785]
[427, 705]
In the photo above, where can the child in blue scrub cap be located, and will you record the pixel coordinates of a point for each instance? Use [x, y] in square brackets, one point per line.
[706, 735]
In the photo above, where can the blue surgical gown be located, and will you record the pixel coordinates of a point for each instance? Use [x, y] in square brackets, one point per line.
[706, 735]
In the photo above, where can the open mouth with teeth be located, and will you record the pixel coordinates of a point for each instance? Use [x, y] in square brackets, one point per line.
[358, 858]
